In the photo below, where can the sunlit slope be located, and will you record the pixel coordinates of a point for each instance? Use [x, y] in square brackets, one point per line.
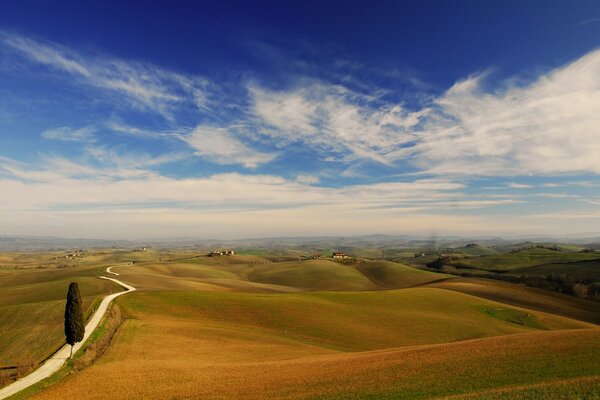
[251, 274]
[527, 297]
[179, 344]
[193, 276]
[331, 275]
[346, 320]
[312, 274]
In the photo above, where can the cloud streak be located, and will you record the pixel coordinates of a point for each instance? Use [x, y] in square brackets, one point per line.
[67, 134]
[146, 86]
[336, 119]
[222, 147]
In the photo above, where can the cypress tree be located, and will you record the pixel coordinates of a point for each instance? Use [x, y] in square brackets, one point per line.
[74, 325]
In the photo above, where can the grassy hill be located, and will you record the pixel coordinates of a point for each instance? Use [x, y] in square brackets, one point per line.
[312, 274]
[321, 274]
[248, 327]
[179, 344]
[527, 297]
[476, 250]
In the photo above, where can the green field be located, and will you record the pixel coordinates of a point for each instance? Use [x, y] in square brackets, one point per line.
[524, 259]
[576, 269]
[476, 250]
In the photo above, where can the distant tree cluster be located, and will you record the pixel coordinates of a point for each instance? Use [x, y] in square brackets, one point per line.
[554, 247]
[443, 261]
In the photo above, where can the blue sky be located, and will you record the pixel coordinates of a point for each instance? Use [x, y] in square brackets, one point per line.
[230, 120]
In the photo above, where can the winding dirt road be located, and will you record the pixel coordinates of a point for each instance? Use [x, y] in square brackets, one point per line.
[57, 360]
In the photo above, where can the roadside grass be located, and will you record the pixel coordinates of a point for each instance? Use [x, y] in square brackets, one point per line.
[32, 309]
[95, 346]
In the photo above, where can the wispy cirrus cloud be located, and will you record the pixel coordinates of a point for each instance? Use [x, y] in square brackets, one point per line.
[515, 185]
[513, 130]
[145, 86]
[432, 153]
[222, 147]
[548, 126]
[68, 134]
[333, 118]
[587, 21]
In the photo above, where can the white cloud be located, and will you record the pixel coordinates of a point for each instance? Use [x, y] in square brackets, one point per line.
[66, 183]
[515, 185]
[120, 127]
[146, 86]
[595, 202]
[307, 179]
[124, 194]
[335, 119]
[547, 127]
[66, 133]
[220, 146]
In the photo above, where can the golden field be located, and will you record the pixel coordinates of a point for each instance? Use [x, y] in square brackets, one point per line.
[245, 327]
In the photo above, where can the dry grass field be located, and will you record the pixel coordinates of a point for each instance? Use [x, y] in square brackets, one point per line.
[190, 345]
[246, 327]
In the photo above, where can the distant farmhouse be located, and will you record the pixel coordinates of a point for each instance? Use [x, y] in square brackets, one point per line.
[77, 253]
[339, 255]
[219, 253]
